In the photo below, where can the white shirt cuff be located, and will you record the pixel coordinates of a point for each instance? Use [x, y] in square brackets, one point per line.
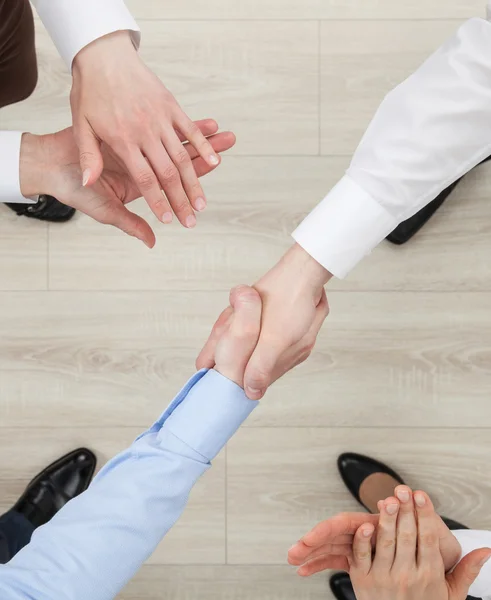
[346, 226]
[474, 540]
[73, 24]
[9, 165]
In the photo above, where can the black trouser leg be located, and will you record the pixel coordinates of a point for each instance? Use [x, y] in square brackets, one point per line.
[15, 533]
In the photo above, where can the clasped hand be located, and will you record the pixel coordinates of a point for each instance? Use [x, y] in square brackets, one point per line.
[405, 553]
[294, 308]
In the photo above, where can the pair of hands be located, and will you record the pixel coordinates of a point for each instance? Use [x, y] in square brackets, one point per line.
[49, 164]
[127, 125]
[294, 307]
[130, 138]
[405, 553]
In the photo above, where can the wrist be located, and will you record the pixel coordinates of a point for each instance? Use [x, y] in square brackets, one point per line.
[113, 47]
[32, 168]
[307, 267]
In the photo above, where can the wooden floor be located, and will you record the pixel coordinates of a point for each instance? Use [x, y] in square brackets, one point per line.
[97, 333]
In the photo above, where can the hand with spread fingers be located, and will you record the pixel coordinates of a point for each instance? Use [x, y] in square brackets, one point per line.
[294, 308]
[49, 164]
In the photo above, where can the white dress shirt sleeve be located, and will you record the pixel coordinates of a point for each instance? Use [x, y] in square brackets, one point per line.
[428, 132]
[10, 161]
[73, 24]
[474, 540]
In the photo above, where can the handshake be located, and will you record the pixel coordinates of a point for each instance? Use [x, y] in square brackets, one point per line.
[294, 303]
[285, 311]
[406, 552]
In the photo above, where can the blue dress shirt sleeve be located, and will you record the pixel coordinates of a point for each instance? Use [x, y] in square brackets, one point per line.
[98, 541]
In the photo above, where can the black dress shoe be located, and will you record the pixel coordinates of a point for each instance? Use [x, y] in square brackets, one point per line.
[407, 229]
[59, 483]
[355, 468]
[341, 587]
[453, 525]
[46, 208]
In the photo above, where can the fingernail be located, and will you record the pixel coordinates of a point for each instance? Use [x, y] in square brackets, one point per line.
[420, 500]
[167, 218]
[380, 505]
[214, 159]
[85, 177]
[484, 561]
[403, 495]
[191, 221]
[368, 532]
[200, 204]
[392, 509]
[253, 391]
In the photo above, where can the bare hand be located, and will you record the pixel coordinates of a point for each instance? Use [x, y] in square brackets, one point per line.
[237, 333]
[50, 165]
[118, 101]
[408, 564]
[294, 309]
[329, 544]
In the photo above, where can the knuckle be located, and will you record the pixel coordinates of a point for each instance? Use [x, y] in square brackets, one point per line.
[406, 539]
[145, 180]
[429, 540]
[182, 158]
[259, 378]
[170, 174]
[361, 555]
[307, 346]
[86, 156]
[388, 543]
[180, 206]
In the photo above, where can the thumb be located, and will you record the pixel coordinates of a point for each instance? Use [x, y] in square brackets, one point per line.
[131, 224]
[235, 348]
[466, 572]
[259, 371]
[91, 161]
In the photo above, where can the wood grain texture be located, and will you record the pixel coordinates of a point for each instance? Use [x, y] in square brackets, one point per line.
[255, 203]
[281, 482]
[267, 91]
[98, 334]
[198, 537]
[24, 252]
[224, 583]
[116, 359]
[308, 9]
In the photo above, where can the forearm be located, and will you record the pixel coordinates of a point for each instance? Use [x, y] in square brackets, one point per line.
[473, 540]
[95, 545]
[427, 133]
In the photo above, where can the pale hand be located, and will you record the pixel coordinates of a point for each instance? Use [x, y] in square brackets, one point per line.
[238, 333]
[117, 100]
[294, 309]
[329, 544]
[49, 164]
[408, 564]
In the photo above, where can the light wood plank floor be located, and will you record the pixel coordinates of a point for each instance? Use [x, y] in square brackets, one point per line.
[98, 333]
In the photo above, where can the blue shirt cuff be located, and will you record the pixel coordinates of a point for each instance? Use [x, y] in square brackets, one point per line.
[206, 413]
